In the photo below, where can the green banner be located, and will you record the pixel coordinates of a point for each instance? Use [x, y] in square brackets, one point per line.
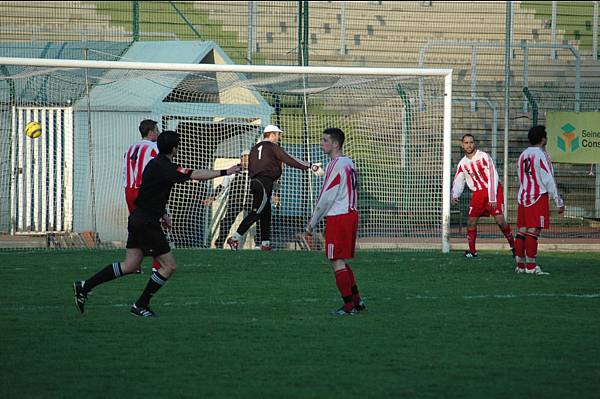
[573, 137]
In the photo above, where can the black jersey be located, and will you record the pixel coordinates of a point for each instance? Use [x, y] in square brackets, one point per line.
[157, 180]
[266, 158]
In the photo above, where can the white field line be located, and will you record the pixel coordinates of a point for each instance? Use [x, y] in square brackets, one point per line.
[244, 302]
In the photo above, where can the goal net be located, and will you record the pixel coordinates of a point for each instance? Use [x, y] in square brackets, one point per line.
[66, 189]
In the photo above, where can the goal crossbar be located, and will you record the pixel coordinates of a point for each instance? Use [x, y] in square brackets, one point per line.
[178, 67]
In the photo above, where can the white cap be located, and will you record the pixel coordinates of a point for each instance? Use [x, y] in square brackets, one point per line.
[245, 152]
[272, 128]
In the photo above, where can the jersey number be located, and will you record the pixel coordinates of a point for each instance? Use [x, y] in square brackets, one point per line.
[260, 152]
[527, 166]
[134, 155]
[353, 179]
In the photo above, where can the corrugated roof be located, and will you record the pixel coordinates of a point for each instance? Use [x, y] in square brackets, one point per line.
[120, 89]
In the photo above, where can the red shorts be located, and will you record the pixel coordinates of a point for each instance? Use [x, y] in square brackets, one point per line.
[340, 235]
[480, 204]
[536, 215]
[130, 196]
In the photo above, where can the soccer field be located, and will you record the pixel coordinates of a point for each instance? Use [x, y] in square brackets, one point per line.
[258, 325]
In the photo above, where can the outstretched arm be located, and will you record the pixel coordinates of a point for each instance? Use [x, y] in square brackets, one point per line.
[206, 174]
[290, 160]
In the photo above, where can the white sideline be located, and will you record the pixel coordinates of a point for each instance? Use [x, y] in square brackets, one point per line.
[508, 296]
[216, 302]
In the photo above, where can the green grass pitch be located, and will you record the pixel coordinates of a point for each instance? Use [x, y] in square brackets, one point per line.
[258, 325]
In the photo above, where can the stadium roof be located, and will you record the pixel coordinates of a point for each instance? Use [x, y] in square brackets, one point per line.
[172, 92]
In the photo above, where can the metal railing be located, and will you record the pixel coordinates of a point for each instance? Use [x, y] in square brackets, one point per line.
[523, 45]
[534, 107]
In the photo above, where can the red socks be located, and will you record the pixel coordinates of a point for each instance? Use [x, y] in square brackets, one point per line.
[471, 237]
[509, 236]
[343, 280]
[531, 246]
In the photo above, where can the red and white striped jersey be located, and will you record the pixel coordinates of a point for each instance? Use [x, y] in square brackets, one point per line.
[479, 173]
[135, 160]
[339, 194]
[536, 177]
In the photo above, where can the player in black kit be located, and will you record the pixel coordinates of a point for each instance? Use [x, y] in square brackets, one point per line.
[146, 237]
[264, 168]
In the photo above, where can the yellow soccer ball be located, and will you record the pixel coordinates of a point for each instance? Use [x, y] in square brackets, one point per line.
[33, 130]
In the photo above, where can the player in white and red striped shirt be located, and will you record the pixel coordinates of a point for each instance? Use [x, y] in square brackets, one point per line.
[477, 169]
[536, 179]
[338, 202]
[135, 160]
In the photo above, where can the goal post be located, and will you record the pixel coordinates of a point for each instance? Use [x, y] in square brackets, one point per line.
[402, 151]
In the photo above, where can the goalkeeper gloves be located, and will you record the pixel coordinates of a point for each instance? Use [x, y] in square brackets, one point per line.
[317, 169]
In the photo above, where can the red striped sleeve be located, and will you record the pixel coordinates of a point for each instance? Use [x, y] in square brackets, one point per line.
[351, 187]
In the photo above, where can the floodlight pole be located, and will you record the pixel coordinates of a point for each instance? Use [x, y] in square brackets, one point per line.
[507, 51]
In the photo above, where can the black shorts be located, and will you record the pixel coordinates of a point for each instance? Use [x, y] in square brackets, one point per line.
[147, 235]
